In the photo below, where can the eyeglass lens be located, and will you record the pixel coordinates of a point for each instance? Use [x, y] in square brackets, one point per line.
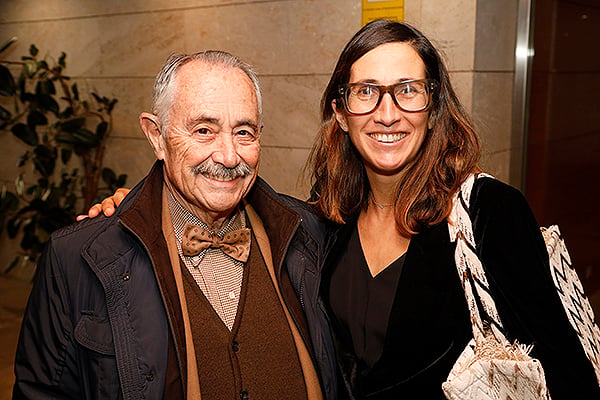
[412, 96]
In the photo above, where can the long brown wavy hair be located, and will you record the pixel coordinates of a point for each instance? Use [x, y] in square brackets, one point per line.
[449, 153]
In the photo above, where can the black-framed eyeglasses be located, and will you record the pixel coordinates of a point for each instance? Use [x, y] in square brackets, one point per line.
[410, 96]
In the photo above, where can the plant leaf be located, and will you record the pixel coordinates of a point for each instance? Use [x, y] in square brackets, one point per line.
[7, 82]
[30, 69]
[46, 87]
[25, 133]
[30, 239]
[86, 138]
[21, 86]
[101, 129]
[65, 137]
[65, 155]
[8, 202]
[8, 43]
[23, 159]
[43, 183]
[75, 91]
[108, 176]
[4, 115]
[67, 113]
[72, 125]
[13, 264]
[35, 118]
[121, 181]
[44, 160]
[111, 105]
[61, 59]
[33, 51]
[12, 226]
[47, 102]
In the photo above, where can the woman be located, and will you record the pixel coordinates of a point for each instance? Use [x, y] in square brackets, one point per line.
[394, 147]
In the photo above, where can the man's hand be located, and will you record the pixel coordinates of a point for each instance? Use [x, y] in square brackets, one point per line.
[108, 205]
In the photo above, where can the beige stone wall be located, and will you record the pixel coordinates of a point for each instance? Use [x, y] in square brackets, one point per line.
[494, 71]
[477, 38]
[117, 47]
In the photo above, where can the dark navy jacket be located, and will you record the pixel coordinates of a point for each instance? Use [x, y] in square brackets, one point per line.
[104, 301]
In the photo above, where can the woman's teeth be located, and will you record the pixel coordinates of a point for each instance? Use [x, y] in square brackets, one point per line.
[388, 138]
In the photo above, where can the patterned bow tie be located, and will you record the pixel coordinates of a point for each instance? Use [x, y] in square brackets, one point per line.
[236, 244]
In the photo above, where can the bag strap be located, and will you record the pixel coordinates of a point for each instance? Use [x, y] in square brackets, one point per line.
[470, 269]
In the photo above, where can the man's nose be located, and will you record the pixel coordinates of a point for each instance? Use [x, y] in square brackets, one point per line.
[226, 151]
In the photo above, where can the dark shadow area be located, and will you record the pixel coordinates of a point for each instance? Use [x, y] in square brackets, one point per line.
[563, 152]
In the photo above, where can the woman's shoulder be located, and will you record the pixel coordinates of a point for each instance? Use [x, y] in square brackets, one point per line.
[492, 195]
[497, 208]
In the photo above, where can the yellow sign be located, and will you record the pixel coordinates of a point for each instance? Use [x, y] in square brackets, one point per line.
[388, 9]
[374, 4]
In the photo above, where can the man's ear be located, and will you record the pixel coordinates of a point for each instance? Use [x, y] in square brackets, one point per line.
[149, 124]
[340, 116]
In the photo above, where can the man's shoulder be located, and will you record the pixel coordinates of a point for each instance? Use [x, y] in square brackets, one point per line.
[303, 208]
[75, 237]
[82, 231]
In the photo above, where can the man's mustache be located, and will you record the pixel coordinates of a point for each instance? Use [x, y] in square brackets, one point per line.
[213, 169]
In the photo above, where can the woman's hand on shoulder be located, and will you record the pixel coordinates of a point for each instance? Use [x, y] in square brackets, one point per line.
[108, 205]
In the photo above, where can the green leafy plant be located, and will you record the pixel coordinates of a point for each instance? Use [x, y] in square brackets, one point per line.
[64, 136]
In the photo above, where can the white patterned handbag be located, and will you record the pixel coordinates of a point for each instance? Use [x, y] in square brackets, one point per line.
[575, 302]
[490, 367]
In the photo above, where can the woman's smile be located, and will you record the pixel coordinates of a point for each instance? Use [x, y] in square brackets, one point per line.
[388, 137]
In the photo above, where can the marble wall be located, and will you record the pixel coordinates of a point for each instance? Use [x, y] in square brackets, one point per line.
[117, 47]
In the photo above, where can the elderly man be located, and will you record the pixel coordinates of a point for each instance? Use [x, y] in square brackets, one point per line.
[183, 292]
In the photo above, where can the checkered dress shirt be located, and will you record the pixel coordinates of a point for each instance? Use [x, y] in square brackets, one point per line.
[217, 275]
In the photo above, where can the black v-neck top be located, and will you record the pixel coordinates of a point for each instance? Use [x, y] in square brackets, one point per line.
[362, 303]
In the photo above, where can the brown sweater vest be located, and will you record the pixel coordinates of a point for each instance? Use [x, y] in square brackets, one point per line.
[258, 358]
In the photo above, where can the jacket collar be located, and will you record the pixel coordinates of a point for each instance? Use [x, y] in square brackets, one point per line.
[137, 210]
[279, 220]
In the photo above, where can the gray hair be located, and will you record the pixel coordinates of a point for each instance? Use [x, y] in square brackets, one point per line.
[162, 97]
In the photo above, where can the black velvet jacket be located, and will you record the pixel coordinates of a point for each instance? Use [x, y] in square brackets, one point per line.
[429, 324]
